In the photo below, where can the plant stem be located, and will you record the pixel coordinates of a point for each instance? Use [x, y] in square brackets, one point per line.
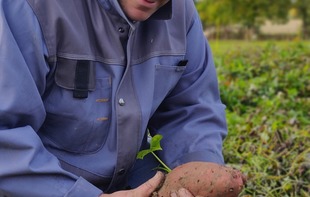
[162, 163]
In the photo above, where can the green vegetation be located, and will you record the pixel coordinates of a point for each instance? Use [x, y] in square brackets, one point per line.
[251, 14]
[247, 13]
[221, 48]
[266, 88]
[154, 146]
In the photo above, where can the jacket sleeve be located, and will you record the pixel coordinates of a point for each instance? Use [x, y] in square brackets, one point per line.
[192, 118]
[26, 167]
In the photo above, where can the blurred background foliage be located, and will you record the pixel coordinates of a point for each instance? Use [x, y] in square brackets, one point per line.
[247, 16]
[261, 50]
[265, 86]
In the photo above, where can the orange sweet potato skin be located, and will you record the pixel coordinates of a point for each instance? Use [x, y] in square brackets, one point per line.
[203, 179]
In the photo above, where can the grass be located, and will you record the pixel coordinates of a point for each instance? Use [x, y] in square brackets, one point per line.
[220, 47]
[266, 88]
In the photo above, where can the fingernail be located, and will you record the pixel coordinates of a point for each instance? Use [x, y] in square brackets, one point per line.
[173, 194]
[183, 191]
[158, 174]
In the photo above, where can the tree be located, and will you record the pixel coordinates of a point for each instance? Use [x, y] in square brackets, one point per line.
[248, 13]
[303, 11]
[215, 12]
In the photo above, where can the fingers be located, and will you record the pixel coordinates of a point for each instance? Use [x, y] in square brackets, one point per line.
[149, 187]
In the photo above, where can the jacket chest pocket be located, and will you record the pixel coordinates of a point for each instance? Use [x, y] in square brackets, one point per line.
[166, 77]
[78, 108]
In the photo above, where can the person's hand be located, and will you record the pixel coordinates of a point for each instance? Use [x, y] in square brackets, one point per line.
[144, 190]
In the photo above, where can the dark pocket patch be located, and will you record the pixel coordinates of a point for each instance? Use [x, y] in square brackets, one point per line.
[76, 75]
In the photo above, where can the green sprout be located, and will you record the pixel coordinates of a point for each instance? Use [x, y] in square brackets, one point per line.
[154, 146]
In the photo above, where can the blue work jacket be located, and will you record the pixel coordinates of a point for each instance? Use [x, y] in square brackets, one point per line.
[81, 84]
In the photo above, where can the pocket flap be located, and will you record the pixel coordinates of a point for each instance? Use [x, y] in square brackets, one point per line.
[67, 71]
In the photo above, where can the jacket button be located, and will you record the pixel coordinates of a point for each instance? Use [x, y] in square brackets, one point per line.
[121, 102]
[121, 171]
[121, 30]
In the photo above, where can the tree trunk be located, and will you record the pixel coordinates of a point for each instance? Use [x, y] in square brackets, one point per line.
[306, 22]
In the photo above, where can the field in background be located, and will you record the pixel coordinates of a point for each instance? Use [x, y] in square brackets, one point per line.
[220, 47]
[266, 88]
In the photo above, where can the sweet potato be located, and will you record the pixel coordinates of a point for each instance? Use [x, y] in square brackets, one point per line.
[203, 179]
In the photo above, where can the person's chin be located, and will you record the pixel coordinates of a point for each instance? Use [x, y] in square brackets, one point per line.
[139, 16]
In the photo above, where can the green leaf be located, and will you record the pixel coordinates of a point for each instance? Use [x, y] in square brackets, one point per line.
[142, 153]
[155, 143]
[154, 146]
